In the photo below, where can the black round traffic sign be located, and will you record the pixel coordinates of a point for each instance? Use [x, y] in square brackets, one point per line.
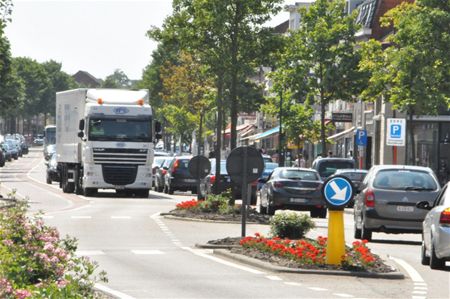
[199, 167]
[245, 156]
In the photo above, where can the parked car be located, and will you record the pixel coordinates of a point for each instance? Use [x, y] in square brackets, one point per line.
[16, 144]
[2, 157]
[328, 166]
[8, 151]
[38, 140]
[49, 150]
[268, 169]
[161, 153]
[178, 176]
[355, 175]
[294, 188]
[158, 172]
[12, 148]
[386, 200]
[436, 230]
[52, 170]
[208, 184]
[267, 159]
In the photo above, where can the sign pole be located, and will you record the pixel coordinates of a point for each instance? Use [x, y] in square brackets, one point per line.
[336, 238]
[244, 194]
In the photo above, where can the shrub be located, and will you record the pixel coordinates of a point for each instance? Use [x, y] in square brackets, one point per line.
[37, 263]
[290, 225]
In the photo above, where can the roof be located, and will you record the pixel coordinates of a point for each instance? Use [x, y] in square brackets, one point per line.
[85, 79]
[282, 28]
[342, 134]
[266, 133]
[366, 13]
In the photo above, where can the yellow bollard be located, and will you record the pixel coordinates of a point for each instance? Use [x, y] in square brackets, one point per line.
[336, 238]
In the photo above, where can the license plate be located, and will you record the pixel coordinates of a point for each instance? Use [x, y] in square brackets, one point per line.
[405, 209]
[190, 180]
[298, 200]
[119, 187]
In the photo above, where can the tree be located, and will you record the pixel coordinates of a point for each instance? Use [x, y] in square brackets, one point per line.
[414, 72]
[59, 81]
[321, 59]
[117, 80]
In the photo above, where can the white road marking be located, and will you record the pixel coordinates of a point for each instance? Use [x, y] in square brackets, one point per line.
[110, 291]
[295, 284]
[418, 297]
[420, 284]
[273, 277]
[81, 217]
[47, 217]
[419, 293]
[415, 276]
[120, 217]
[199, 252]
[420, 288]
[89, 252]
[147, 252]
[343, 295]
[317, 289]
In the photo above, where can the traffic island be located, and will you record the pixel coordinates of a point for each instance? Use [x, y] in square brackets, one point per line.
[305, 256]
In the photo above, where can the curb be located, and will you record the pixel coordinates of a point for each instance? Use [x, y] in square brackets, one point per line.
[169, 216]
[265, 265]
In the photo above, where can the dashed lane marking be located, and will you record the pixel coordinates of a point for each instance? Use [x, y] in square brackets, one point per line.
[415, 277]
[317, 289]
[120, 217]
[295, 284]
[110, 291]
[147, 252]
[273, 277]
[343, 295]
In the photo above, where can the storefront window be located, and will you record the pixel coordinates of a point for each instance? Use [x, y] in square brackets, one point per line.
[426, 138]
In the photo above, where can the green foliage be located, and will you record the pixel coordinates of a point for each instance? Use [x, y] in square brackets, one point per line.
[320, 62]
[36, 262]
[219, 203]
[290, 225]
[117, 80]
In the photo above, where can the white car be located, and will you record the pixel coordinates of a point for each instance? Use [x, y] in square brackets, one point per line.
[436, 230]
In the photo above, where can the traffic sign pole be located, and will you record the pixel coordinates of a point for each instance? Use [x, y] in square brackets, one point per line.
[336, 238]
[244, 194]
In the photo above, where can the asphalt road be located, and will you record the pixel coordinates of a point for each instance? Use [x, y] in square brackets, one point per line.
[148, 256]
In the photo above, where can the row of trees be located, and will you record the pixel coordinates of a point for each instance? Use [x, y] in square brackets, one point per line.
[208, 50]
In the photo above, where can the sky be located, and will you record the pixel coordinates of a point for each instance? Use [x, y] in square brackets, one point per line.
[97, 36]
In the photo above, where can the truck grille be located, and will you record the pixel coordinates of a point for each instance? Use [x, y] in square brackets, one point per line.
[120, 156]
[119, 174]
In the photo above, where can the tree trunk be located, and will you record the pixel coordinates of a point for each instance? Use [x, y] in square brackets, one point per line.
[322, 124]
[219, 134]
[200, 127]
[234, 75]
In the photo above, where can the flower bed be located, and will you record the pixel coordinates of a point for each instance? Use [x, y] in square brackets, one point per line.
[36, 263]
[309, 254]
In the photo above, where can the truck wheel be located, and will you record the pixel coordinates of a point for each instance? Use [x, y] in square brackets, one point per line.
[89, 192]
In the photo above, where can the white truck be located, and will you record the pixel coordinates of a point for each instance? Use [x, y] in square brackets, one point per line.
[105, 140]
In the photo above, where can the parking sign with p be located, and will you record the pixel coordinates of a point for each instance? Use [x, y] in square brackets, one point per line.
[395, 131]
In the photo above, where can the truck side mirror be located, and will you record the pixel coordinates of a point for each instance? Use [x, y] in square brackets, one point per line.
[158, 128]
[158, 136]
[81, 134]
[81, 125]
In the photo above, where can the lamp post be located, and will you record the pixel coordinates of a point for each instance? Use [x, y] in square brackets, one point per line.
[280, 134]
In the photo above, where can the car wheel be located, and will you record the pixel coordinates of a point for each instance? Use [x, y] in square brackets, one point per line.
[170, 189]
[270, 210]
[313, 213]
[48, 179]
[322, 213]
[435, 262]
[366, 234]
[356, 232]
[165, 190]
[424, 259]
[89, 192]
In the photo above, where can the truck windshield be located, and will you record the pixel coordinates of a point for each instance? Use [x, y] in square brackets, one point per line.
[120, 129]
[50, 136]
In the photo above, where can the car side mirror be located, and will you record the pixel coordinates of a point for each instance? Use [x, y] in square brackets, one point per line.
[81, 134]
[424, 205]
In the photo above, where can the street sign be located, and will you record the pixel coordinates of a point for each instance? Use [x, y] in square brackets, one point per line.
[342, 117]
[199, 167]
[361, 137]
[337, 191]
[395, 131]
[250, 169]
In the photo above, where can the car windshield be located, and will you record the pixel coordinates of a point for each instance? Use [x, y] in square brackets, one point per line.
[295, 174]
[400, 179]
[327, 168]
[353, 175]
[120, 129]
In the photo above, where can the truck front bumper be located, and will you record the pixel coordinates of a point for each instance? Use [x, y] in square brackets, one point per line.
[117, 177]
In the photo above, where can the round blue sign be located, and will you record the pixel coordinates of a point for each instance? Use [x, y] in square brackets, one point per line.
[337, 191]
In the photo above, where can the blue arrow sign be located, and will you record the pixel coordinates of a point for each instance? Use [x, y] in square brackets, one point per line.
[338, 191]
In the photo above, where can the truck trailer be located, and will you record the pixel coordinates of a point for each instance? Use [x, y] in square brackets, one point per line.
[105, 140]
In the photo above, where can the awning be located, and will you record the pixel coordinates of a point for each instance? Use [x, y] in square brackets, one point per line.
[238, 128]
[266, 133]
[342, 134]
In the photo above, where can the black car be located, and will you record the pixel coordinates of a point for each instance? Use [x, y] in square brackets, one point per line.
[293, 188]
[7, 152]
[159, 170]
[328, 166]
[356, 176]
[52, 170]
[208, 184]
[178, 176]
[2, 157]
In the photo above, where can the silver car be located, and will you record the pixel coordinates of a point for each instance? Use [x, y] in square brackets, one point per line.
[386, 200]
[436, 230]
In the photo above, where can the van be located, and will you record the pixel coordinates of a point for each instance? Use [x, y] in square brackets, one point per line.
[328, 166]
